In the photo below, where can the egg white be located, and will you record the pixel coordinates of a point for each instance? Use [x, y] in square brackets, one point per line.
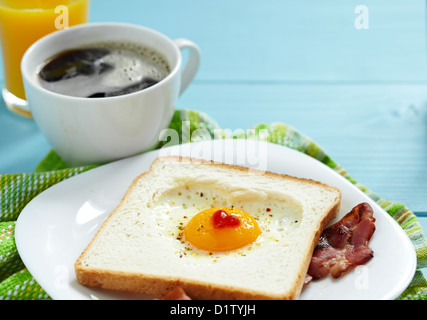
[276, 217]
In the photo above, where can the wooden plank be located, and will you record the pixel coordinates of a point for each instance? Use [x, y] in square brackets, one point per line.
[289, 40]
[22, 146]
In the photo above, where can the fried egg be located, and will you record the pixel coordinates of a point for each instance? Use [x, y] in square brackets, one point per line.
[246, 220]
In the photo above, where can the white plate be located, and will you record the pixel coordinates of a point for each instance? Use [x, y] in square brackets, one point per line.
[55, 227]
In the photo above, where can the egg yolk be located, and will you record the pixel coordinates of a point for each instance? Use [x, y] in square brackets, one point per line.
[221, 229]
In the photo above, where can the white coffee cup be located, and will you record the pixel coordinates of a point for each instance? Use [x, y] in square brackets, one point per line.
[98, 130]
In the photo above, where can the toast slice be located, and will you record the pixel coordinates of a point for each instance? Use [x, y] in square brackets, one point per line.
[140, 248]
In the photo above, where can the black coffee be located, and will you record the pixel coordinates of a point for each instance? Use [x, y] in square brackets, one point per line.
[103, 69]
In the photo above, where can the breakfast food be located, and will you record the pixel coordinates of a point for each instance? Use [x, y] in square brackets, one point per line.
[217, 231]
[176, 293]
[344, 245]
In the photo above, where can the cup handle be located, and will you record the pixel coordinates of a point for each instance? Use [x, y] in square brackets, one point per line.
[16, 105]
[193, 62]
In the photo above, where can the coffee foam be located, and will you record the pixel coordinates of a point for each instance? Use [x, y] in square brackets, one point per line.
[129, 65]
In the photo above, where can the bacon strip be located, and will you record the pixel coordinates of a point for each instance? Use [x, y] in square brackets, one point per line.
[175, 294]
[344, 245]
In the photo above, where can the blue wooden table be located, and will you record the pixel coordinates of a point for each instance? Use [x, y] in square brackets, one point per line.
[352, 78]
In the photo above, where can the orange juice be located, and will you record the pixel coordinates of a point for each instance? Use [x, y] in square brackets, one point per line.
[22, 22]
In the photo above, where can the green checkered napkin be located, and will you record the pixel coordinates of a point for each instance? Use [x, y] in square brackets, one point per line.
[18, 189]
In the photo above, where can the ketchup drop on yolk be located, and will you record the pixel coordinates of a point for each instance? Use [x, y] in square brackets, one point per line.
[222, 219]
[221, 229]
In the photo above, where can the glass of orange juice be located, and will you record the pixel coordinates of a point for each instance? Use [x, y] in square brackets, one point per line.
[22, 22]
